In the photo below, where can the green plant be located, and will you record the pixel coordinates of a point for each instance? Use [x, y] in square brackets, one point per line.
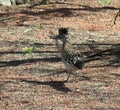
[108, 2]
[30, 50]
[40, 26]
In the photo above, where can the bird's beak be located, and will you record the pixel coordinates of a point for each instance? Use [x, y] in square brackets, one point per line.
[55, 37]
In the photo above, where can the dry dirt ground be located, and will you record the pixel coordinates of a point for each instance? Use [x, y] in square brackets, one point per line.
[34, 81]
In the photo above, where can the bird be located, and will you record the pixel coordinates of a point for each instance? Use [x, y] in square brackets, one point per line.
[72, 59]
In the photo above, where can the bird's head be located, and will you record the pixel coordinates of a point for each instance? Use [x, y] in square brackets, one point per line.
[62, 34]
[63, 31]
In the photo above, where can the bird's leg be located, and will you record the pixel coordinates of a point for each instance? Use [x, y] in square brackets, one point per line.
[67, 78]
[69, 71]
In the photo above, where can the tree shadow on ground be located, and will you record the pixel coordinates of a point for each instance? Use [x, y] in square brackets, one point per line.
[21, 52]
[48, 13]
[51, 58]
[26, 61]
[55, 59]
[57, 85]
[66, 12]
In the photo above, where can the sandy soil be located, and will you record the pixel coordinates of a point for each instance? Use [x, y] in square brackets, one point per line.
[35, 81]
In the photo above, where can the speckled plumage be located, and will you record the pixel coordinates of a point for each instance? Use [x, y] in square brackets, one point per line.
[72, 59]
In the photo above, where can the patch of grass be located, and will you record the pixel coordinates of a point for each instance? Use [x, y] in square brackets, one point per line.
[40, 26]
[30, 50]
[106, 2]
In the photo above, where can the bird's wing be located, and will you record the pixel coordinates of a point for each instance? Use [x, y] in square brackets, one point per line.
[74, 59]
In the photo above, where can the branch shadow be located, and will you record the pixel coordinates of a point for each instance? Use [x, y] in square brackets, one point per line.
[63, 12]
[5, 63]
[26, 61]
[66, 12]
[116, 75]
[57, 85]
[21, 52]
[48, 13]
[115, 53]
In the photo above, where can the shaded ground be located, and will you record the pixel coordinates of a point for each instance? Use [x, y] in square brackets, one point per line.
[25, 80]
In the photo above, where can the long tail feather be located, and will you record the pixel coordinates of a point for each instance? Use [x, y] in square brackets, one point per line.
[99, 53]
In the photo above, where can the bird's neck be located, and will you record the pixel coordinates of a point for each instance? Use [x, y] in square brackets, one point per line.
[57, 44]
[66, 46]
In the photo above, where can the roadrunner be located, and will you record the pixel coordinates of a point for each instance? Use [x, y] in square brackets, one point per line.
[72, 59]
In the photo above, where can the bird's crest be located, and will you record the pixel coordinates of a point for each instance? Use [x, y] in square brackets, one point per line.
[63, 31]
